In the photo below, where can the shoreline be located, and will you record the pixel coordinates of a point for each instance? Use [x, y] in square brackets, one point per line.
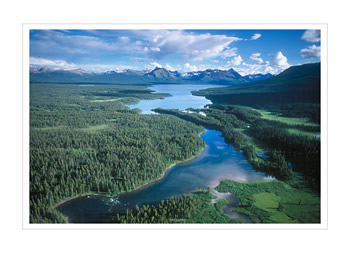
[166, 171]
[74, 197]
[138, 188]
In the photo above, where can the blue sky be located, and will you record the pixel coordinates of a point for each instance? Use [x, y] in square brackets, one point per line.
[246, 51]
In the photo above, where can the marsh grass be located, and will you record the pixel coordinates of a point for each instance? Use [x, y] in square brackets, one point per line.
[288, 120]
[274, 201]
[207, 212]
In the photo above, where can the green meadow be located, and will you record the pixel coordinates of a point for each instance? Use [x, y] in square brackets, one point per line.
[287, 120]
[274, 201]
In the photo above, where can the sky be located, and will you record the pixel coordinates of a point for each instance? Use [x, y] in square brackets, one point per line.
[246, 51]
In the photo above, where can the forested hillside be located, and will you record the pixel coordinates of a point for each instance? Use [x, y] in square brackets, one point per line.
[83, 139]
[297, 84]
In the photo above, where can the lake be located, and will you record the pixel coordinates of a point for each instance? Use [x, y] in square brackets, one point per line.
[181, 99]
[218, 161]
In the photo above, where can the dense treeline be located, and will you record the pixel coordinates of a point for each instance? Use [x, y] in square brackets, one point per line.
[173, 210]
[214, 119]
[197, 207]
[304, 152]
[97, 149]
[43, 119]
[287, 152]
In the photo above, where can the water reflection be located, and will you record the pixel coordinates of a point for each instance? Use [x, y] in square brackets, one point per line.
[207, 170]
[181, 99]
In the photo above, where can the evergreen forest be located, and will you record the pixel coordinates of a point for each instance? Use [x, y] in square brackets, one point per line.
[84, 139]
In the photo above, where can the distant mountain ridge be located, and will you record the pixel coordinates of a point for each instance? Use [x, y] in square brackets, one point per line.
[215, 75]
[257, 77]
[157, 75]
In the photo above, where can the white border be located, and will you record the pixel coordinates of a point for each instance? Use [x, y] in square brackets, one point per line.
[324, 127]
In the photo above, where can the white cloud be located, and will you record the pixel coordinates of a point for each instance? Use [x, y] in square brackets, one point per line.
[168, 67]
[280, 60]
[51, 63]
[155, 44]
[229, 52]
[237, 60]
[256, 36]
[49, 43]
[61, 64]
[152, 49]
[156, 38]
[189, 45]
[251, 69]
[137, 59]
[256, 57]
[189, 68]
[312, 36]
[311, 52]
[279, 63]
[155, 49]
[156, 65]
[124, 39]
[104, 67]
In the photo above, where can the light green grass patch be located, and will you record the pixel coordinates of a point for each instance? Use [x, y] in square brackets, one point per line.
[288, 120]
[301, 132]
[50, 128]
[279, 217]
[105, 100]
[274, 201]
[266, 200]
[93, 129]
[271, 202]
[258, 145]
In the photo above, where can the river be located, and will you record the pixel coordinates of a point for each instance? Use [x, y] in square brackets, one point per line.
[218, 161]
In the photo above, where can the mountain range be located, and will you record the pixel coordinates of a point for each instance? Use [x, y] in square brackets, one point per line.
[157, 75]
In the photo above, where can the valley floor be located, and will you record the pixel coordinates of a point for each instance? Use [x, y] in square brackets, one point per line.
[83, 140]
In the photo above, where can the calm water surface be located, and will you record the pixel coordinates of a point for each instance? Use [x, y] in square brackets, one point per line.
[218, 161]
[181, 99]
